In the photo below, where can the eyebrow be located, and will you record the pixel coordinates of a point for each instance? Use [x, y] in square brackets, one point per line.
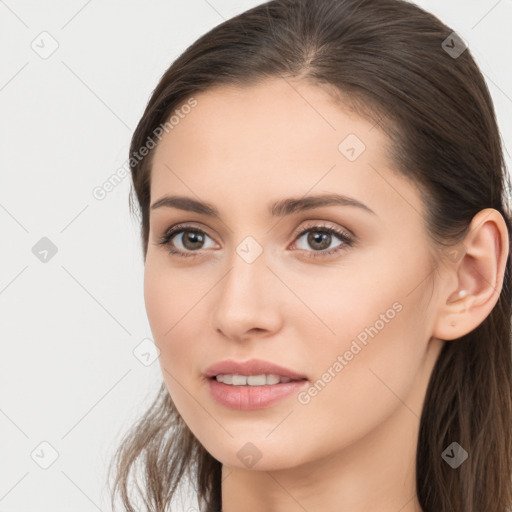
[280, 208]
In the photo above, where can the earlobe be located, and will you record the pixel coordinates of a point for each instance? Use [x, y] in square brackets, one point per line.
[478, 276]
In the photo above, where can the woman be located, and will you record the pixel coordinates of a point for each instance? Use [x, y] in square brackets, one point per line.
[326, 240]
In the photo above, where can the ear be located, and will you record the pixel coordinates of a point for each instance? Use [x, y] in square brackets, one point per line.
[477, 267]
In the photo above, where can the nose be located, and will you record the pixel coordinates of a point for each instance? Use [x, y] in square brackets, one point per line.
[247, 300]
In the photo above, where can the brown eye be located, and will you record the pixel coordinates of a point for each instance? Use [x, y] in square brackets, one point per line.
[320, 238]
[184, 241]
[192, 240]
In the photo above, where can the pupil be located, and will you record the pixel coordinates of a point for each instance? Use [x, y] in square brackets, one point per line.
[193, 239]
[318, 238]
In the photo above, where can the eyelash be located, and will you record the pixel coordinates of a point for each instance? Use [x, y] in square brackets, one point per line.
[348, 240]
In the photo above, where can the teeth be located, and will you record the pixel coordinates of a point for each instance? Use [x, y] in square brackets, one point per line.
[251, 380]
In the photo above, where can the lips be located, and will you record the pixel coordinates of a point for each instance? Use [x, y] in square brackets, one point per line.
[251, 367]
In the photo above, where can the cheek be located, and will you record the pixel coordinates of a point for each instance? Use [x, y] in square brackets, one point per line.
[164, 321]
[381, 336]
[365, 376]
[170, 295]
[172, 305]
[166, 304]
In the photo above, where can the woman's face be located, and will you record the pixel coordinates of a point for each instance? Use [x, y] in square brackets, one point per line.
[353, 315]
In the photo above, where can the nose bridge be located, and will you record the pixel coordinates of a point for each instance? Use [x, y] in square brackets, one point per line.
[247, 274]
[246, 296]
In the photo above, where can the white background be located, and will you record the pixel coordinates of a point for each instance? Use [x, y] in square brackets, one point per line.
[68, 375]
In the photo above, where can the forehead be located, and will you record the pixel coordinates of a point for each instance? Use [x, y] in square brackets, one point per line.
[276, 114]
[276, 138]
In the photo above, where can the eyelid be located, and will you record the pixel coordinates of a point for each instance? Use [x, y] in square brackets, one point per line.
[311, 224]
[299, 230]
[189, 226]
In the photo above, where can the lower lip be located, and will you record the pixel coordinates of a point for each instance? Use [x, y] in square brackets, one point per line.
[253, 397]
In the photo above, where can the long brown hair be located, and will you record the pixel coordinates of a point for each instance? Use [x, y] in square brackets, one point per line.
[407, 71]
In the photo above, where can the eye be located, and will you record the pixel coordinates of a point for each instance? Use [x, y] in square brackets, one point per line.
[192, 240]
[320, 239]
[188, 243]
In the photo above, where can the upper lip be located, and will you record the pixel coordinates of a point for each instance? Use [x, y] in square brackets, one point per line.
[250, 367]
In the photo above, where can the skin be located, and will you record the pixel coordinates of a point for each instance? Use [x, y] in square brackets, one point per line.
[353, 446]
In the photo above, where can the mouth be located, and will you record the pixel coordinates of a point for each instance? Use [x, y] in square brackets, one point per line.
[253, 380]
[255, 391]
[252, 372]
